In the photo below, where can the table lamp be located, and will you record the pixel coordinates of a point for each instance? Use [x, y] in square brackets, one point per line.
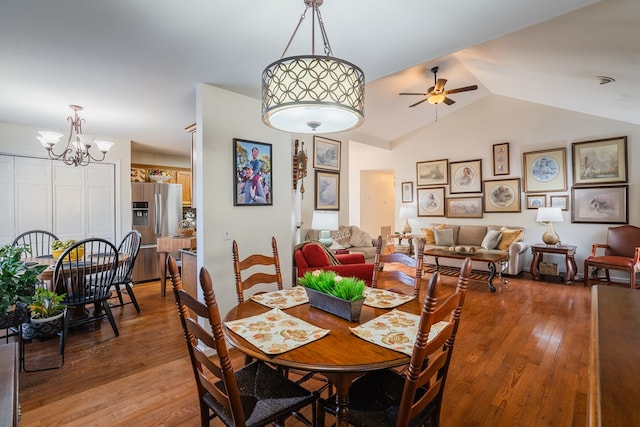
[406, 212]
[325, 222]
[548, 216]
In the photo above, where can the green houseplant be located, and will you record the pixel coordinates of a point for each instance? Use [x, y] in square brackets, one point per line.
[342, 296]
[18, 280]
[47, 312]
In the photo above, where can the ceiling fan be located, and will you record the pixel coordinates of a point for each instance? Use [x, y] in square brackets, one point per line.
[436, 93]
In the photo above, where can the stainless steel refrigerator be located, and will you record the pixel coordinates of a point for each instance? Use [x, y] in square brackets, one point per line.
[157, 209]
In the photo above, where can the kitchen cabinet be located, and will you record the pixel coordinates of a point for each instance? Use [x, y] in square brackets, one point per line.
[184, 178]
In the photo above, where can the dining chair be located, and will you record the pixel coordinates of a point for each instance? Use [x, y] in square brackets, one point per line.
[413, 397]
[129, 246]
[407, 270]
[87, 279]
[39, 241]
[259, 269]
[621, 252]
[254, 395]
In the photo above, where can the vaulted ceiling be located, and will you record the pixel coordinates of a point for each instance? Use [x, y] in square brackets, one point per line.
[134, 66]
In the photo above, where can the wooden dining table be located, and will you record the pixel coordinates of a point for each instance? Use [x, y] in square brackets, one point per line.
[340, 356]
[50, 262]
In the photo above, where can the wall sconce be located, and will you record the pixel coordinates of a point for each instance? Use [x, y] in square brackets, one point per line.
[299, 166]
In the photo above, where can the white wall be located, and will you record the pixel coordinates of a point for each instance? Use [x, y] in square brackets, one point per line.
[470, 133]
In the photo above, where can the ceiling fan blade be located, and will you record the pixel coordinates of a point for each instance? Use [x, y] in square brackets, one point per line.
[430, 90]
[461, 89]
[448, 101]
[408, 93]
[440, 85]
[417, 103]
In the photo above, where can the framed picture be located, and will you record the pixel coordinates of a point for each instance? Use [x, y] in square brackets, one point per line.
[561, 202]
[602, 205]
[434, 172]
[431, 201]
[603, 161]
[466, 177]
[326, 154]
[327, 191]
[545, 170]
[252, 181]
[535, 201]
[407, 192]
[501, 159]
[464, 207]
[502, 195]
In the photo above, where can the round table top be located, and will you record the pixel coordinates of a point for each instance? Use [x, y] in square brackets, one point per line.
[50, 262]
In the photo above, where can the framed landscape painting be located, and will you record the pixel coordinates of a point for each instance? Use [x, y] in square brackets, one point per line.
[464, 207]
[561, 202]
[466, 177]
[535, 201]
[433, 172]
[326, 154]
[502, 195]
[431, 201]
[603, 161]
[327, 191]
[600, 205]
[545, 170]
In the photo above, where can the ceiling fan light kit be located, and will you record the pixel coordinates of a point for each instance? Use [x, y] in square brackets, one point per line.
[312, 93]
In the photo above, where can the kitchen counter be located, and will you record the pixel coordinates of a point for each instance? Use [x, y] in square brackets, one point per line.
[169, 244]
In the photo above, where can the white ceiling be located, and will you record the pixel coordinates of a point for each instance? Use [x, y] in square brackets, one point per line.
[134, 65]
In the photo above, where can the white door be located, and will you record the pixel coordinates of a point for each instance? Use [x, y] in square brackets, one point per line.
[33, 201]
[101, 201]
[7, 217]
[69, 210]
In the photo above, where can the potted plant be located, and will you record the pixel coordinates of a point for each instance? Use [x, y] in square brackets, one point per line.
[58, 247]
[47, 314]
[18, 280]
[342, 296]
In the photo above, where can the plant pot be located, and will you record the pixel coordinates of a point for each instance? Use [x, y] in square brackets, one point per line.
[77, 253]
[348, 310]
[42, 327]
[12, 318]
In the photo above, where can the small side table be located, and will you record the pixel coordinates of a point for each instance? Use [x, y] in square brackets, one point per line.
[400, 237]
[539, 249]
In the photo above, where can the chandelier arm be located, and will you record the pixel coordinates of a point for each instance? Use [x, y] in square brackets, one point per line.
[325, 38]
[295, 31]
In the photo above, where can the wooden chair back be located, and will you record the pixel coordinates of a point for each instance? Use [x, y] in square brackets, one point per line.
[427, 372]
[256, 269]
[621, 252]
[38, 240]
[622, 241]
[408, 270]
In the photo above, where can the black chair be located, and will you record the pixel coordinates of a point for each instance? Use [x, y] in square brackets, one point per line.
[254, 395]
[87, 279]
[389, 398]
[38, 240]
[129, 246]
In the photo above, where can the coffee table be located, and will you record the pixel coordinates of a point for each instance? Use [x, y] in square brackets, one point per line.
[490, 258]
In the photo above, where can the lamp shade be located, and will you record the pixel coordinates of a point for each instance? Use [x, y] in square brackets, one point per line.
[323, 220]
[405, 212]
[549, 215]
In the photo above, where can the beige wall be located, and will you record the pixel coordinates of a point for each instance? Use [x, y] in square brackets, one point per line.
[377, 200]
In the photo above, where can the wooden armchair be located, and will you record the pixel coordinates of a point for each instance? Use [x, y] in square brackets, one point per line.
[621, 252]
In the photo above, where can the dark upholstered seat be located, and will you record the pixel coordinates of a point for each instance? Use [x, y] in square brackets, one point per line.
[621, 252]
[312, 256]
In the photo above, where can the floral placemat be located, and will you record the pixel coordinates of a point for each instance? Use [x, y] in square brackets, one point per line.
[275, 331]
[395, 330]
[285, 298]
[381, 298]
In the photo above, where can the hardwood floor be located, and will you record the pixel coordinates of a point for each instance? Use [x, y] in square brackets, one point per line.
[521, 359]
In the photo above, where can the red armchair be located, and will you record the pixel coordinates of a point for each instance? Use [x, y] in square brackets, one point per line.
[313, 256]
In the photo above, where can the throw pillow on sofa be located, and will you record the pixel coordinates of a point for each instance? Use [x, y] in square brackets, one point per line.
[427, 234]
[508, 237]
[315, 255]
[341, 237]
[359, 238]
[491, 239]
[443, 236]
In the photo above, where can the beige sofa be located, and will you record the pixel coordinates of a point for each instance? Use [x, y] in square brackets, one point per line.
[351, 238]
[482, 238]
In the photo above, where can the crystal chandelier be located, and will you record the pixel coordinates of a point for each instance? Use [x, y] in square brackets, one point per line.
[76, 152]
[312, 93]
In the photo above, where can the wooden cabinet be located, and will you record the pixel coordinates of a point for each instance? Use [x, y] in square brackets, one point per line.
[184, 178]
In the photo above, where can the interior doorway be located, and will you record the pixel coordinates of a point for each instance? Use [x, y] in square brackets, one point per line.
[377, 200]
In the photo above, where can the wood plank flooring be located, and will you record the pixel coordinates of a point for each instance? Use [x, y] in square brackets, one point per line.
[521, 359]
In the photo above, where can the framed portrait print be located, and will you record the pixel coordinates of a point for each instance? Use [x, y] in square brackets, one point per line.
[431, 201]
[326, 154]
[603, 161]
[601, 205]
[464, 207]
[502, 195]
[545, 170]
[535, 201]
[253, 184]
[466, 177]
[501, 159]
[407, 192]
[561, 202]
[434, 172]
[327, 191]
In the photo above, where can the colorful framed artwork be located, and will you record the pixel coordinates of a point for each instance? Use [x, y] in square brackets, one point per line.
[545, 170]
[502, 195]
[327, 186]
[253, 185]
[433, 172]
[326, 154]
[431, 201]
[535, 201]
[501, 159]
[466, 177]
[464, 207]
[600, 205]
[561, 202]
[603, 161]
[407, 192]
